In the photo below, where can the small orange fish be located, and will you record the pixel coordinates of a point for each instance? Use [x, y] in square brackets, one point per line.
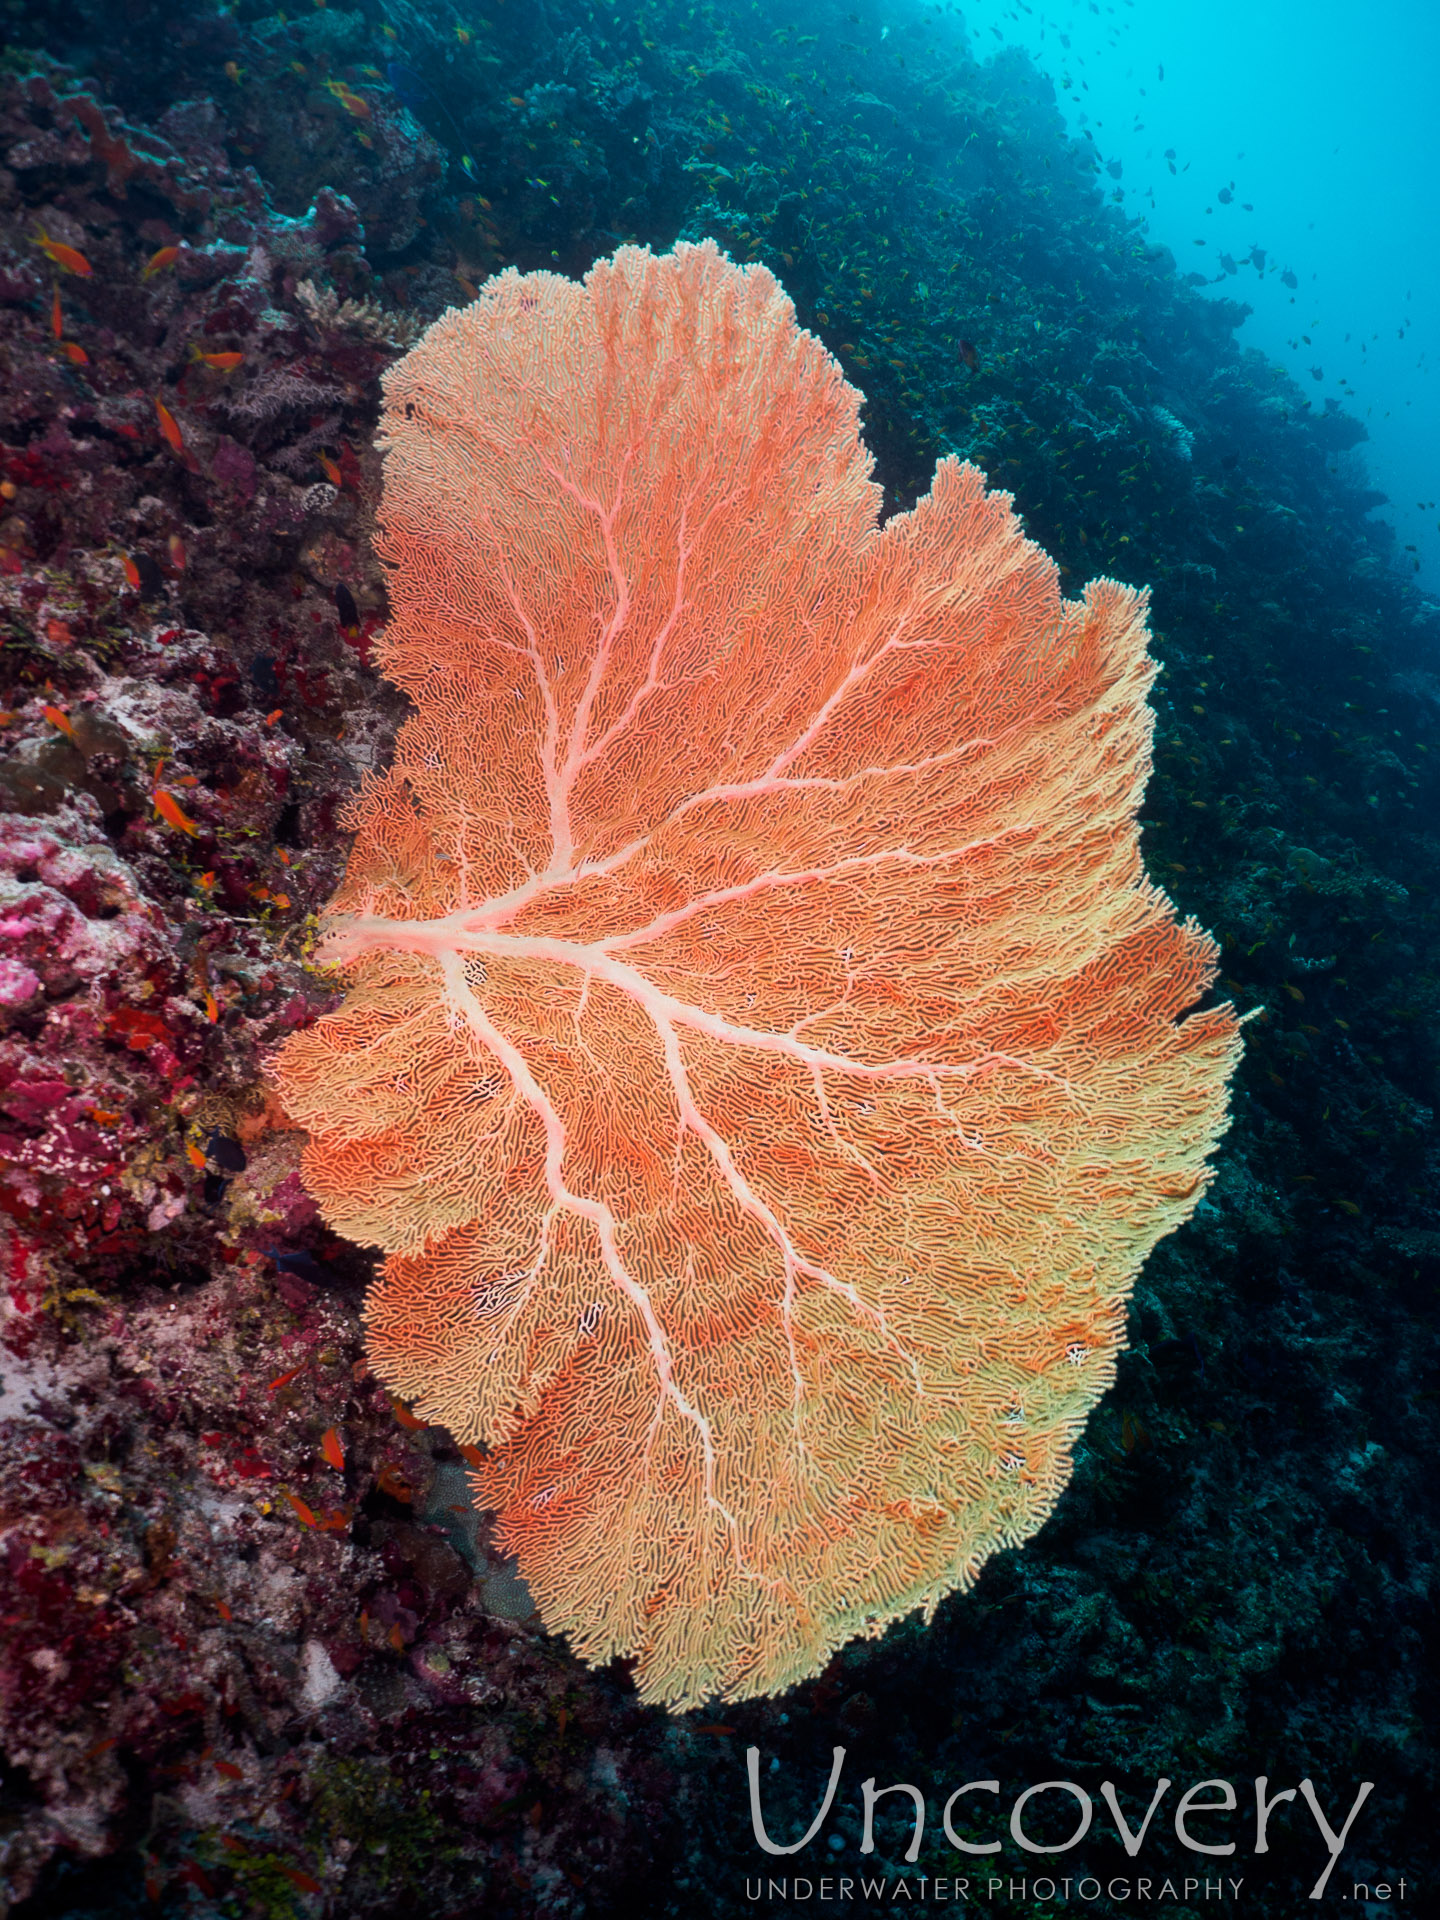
[281, 900]
[388, 1480]
[169, 425]
[100, 1746]
[57, 324]
[233, 1844]
[104, 1118]
[66, 258]
[1132, 1434]
[131, 572]
[158, 261]
[212, 1008]
[304, 1514]
[331, 471]
[271, 718]
[196, 1157]
[222, 362]
[285, 1378]
[335, 1521]
[233, 71]
[206, 882]
[228, 1770]
[306, 1882]
[224, 1609]
[60, 720]
[350, 100]
[396, 1639]
[333, 1451]
[171, 812]
[176, 549]
[75, 353]
[473, 1455]
[406, 1418]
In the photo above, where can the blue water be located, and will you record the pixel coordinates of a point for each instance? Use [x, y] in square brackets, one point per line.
[1319, 120]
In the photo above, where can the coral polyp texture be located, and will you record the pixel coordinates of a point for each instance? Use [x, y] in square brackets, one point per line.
[765, 1064]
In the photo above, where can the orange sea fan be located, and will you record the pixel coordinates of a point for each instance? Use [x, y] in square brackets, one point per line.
[765, 1063]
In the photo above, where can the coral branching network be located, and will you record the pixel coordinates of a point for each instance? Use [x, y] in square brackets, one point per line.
[765, 1064]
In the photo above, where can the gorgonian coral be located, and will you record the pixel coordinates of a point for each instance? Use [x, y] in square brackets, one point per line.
[765, 1063]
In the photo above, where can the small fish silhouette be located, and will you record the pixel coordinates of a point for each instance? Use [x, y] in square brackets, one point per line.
[226, 1153]
[66, 258]
[169, 425]
[170, 811]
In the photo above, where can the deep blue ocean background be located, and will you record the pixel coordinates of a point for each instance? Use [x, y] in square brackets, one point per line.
[1168, 274]
[1304, 131]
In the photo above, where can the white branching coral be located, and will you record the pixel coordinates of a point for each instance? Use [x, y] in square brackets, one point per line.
[328, 313]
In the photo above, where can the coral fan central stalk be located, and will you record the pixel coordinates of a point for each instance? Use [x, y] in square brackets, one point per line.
[765, 1063]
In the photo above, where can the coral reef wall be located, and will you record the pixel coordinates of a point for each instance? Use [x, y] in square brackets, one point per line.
[259, 1650]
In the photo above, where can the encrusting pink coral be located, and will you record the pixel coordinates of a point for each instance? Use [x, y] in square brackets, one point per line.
[764, 1062]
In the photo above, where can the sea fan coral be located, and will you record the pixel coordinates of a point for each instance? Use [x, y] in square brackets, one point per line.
[765, 1064]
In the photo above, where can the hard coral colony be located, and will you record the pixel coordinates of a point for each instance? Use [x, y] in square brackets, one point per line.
[763, 1063]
